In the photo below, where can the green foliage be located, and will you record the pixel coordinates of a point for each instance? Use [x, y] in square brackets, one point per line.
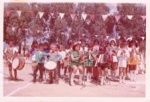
[136, 26]
[36, 26]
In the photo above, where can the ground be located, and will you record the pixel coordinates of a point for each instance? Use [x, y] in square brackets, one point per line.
[25, 88]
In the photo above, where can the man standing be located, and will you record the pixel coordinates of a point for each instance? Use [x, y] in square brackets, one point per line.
[10, 53]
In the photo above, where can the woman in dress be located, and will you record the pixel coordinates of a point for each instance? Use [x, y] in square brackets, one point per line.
[76, 63]
[102, 62]
[113, 49]
[133, 60]
[89, 62]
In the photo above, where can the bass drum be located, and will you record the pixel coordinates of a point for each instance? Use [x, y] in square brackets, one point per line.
[50, 65]
[18, 63]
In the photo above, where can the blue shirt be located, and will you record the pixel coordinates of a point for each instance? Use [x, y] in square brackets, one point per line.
[57, 57]
[40, 58]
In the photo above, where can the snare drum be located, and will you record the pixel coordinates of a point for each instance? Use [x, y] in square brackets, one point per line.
[50, 65]
[18, 63]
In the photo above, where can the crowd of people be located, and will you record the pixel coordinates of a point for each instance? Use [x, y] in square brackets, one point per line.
[100, 60]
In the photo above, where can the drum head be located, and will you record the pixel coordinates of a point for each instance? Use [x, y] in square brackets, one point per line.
[50, 65]
[15, 63]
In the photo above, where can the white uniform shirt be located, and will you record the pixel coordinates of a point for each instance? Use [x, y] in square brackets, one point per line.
[122, 58]
[12, 48]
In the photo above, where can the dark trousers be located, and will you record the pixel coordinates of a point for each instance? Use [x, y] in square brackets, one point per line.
[54, 74]
[39, 67]
[59, 66]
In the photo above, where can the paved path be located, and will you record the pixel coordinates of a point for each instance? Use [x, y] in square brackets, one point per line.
[25, 88]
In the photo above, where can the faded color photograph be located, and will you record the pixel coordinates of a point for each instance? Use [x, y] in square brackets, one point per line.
[74, 49]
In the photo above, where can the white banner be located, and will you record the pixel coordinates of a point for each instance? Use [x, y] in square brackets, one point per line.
[143, 17]
[13, 28]
[41, 14]
[104, 17]
[62, 15]
[84, 16]
[19, 13]
[130, 16]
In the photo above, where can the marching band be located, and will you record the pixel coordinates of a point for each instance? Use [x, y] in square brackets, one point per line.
[110, 60]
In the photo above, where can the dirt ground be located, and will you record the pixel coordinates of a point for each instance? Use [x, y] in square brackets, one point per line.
[25, 88]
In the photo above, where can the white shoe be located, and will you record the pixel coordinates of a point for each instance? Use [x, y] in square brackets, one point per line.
[134, 80]
[72, 83]
[102, 82]
[72, 79]
[120, 81]
[80, 82]
[123, 81]
[88, 80]
[80, 79]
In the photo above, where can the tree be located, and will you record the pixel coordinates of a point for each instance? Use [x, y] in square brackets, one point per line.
[54, 29]
[135, 26]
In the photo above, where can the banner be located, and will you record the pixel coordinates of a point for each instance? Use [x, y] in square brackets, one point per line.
[117, 17]
[130, 16]
[19, 13]
[52, 14]
[143, 17]
[13, 28]
[41, 14]
[72, 16]
[107, 37]
[96, 35]
[61, 15]
[8, 12]
[129, 38]
[83, 34]
[31, 12]
[92, 16]
[104, 17]
[25, 29]
[143, 38]
[84, 16]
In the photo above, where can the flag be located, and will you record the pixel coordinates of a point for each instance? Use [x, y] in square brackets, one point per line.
[92, 16]
[104, 17]
[41, 14]
[72, 16]
[13, 28]
[8, 12]
[130, 16]
[61, 15]
[19, 13]
[84, 16]
[117, 17]
[143, 17]
[31, 12]
[52, 14]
